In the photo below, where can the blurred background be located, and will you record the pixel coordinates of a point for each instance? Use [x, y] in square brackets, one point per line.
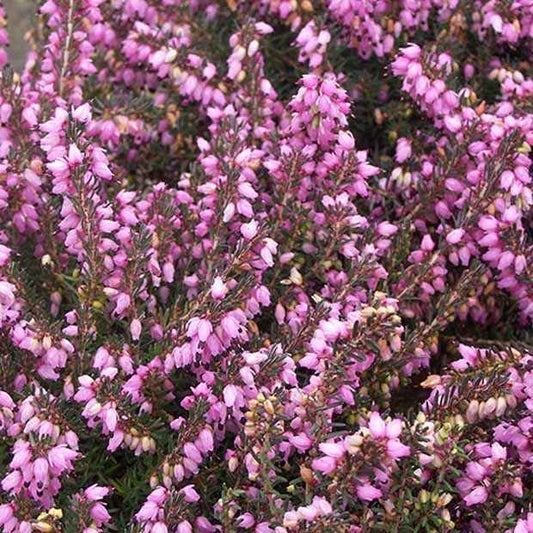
[20, 14]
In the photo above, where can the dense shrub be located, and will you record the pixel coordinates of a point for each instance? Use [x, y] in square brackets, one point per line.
[266, 265]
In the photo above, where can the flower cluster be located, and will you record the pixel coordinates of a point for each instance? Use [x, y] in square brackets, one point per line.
[267, 266]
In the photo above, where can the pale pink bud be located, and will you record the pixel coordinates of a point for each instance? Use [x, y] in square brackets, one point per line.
[135, 329]
[205, 441]
[230, 395]
[190, 494]
[229, 211]
[386, 229]
[96, 493]
[455, 236]
[249, 230]
[218, 289]
[346, 140]
[403, 150]
[184, 527]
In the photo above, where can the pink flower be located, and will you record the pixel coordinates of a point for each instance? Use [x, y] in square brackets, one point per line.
[332, 449]
[230, 395]
[183, 527]
[386, 229]
[346, 140]
[367, 492]
[326, 465]
[395, 449]
[455, 236]
[96, 493]
[82, 113]
[205, 328]
[301, 442]
[403, 150]
[478, 495]
[249, 230]
[376, 425]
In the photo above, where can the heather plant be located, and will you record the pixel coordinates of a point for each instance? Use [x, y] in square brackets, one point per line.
[267, 266]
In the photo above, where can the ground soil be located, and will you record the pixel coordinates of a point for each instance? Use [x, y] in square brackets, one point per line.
[19, 19]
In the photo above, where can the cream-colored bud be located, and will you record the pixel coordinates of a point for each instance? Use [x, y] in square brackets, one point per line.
[239, 52]
[233, 463]
[253, 47]
[518, 77]
[431, 381]
[444, 499]
[269, 407]
[421, 418]
[353, 443]
[367, 312]
[47, 342]
[459, 421]
[296, 277]
[437, 461]
[171, 55]
[42, 526]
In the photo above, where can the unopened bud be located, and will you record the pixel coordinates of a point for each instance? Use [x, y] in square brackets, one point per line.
[501, 406]
[444, 499]
[47, 342]
[171, 56]
[233, 463]
[431, 381]
[306, 473]
[269, 407]
[510, 400]
[490, 407]
[55, 513]
[42, 526]
[296, 277]
[472, 411]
